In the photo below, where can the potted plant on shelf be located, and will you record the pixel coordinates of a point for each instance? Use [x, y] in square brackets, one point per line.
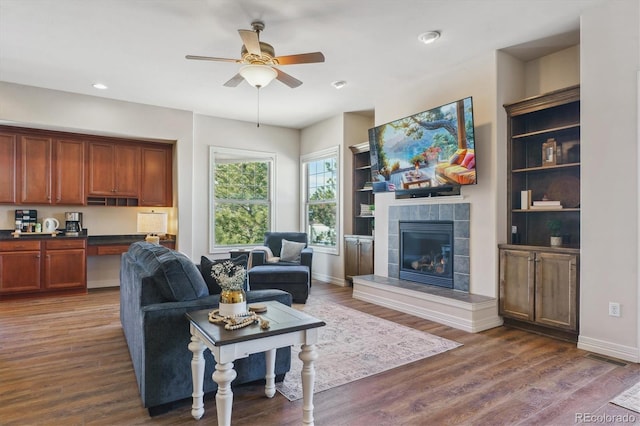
[554, 227]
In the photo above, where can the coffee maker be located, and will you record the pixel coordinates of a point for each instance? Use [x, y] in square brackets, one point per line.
[74, 223]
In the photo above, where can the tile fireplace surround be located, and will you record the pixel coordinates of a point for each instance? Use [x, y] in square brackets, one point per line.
[453, 307]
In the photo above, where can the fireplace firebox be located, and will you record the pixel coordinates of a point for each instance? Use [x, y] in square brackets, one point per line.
[426, 252]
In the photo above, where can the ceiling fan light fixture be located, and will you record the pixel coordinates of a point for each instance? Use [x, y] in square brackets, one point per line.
[429, 37]
[258, 75]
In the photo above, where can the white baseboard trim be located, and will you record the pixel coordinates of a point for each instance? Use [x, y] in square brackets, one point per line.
[468, 315]
[603, 347]
[329, 279]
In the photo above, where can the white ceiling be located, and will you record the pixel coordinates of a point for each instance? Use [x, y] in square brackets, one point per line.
[137, 48]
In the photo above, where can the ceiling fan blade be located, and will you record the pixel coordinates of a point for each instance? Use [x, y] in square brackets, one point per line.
[211, 58]
[303, 58]
[250, 41]
[234, 81]
[287, 79]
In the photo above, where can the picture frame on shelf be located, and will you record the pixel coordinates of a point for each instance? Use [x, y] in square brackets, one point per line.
[549, 153]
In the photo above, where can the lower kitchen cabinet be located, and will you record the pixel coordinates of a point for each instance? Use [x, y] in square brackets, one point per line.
[37, 267]
[539, 288]
[65, 264]
[20, 265]
[358, 255]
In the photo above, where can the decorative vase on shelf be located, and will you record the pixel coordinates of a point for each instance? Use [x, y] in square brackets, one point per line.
[232, 302]
[556, 241]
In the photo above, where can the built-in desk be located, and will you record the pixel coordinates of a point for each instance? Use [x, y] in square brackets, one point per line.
[103, 245]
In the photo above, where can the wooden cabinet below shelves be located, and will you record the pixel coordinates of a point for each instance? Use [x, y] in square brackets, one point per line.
[358, 256]
[539, 287]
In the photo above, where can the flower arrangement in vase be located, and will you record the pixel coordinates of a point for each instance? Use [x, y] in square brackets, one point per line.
[230, 278]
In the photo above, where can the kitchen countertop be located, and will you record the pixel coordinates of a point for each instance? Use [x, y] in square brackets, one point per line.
[7, 234]
[95, 240]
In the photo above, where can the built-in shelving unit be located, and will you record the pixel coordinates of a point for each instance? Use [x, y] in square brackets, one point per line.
[539, 284]
[363, 219]
[551, 121]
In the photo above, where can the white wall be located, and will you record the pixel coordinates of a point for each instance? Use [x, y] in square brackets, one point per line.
[476, 78]
[610, 60]
[283, 142]
[551, 72]
[317, 137]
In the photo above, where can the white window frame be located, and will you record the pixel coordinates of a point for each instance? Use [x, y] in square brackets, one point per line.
[333, 152]
[220, 154]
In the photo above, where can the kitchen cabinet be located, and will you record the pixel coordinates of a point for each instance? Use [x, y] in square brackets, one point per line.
[53, 265]
[35, 169]
[155, 176]
[8, 159]
[539, 287]
[61, 168]
[114, 169]
[65, 264]
[69, 172]
[51, 170]
[358, 255]
[20, 266]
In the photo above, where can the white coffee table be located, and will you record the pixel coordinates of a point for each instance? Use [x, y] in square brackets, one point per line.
[288, 327]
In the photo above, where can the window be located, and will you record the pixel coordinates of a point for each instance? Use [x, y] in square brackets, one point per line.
[320, 177]
[241, 197]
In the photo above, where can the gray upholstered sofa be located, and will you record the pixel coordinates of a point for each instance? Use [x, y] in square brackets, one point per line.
[157, 287]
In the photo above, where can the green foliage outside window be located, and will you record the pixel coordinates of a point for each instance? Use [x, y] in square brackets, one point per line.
[241, 203]
[322, 206]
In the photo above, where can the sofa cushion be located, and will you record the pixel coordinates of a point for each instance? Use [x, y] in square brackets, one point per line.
[177, 278]
[291, 251]
[205, 267]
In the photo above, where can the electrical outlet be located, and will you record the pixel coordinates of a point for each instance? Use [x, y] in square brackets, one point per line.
[614, 309]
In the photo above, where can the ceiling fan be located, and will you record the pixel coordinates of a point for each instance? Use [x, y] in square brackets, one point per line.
[260, 61]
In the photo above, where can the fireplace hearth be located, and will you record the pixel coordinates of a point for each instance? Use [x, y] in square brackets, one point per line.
[426, 252]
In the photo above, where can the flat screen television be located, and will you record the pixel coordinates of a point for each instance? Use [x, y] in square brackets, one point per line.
[426, 154]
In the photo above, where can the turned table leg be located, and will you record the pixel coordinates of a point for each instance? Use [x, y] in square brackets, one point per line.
[223, 376]
[197, 374]
[270, 376]
[308, 355]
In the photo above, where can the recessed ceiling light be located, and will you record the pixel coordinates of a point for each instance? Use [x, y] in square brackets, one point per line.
[100, 86]
[339, 84]
[429, 37]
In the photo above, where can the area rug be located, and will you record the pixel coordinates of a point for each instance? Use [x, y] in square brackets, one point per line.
[354, 345]
[629, 399]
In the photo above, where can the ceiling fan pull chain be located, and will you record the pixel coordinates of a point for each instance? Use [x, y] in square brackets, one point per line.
[258, 108]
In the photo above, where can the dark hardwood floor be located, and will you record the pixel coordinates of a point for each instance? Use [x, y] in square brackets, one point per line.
[64, 361]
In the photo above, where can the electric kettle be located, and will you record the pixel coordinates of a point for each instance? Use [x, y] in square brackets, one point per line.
[50, 224]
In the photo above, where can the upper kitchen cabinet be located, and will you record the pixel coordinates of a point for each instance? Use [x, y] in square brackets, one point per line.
[62, 168]
[114, 170]
[69, 168]
[156, 176]
[51, 171]
[8, 156]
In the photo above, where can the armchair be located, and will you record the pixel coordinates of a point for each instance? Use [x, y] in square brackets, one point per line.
[273, 240]
[289, 267]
